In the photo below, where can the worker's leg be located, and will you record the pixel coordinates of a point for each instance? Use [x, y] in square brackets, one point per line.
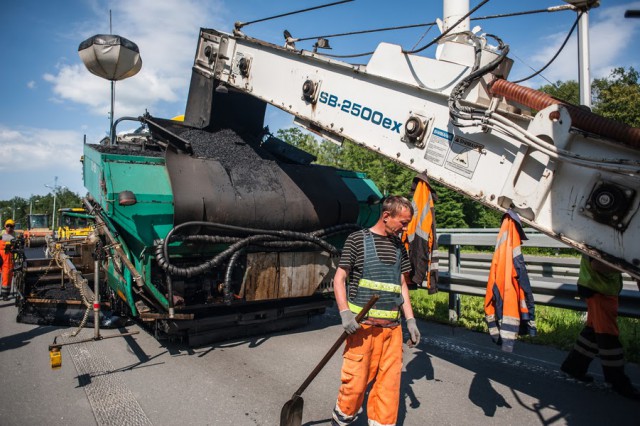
[7, 274]
[605, 324]
[354, 375]
[584, 350]
[384, 397]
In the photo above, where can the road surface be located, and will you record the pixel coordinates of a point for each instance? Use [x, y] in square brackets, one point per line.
[454, 377]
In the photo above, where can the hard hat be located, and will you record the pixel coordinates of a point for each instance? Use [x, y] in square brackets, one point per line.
[9, 222]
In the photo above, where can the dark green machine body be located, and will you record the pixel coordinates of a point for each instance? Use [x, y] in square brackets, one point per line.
[107, 172]
[216, 188]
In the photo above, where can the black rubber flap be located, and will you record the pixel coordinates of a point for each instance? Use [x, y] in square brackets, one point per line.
[230, 181]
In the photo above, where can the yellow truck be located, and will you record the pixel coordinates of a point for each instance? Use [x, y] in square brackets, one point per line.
[74, 223]
[37, 230]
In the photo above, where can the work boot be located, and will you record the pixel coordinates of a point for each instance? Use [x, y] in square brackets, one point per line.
[575, 373]
[5, 297]
[576, 366]
[620, 382]
[626, 389]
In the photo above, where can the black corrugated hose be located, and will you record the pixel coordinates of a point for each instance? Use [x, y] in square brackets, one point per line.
[265, 238]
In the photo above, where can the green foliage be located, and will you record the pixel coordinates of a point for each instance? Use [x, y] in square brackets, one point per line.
[568, 91]
[450, 208]
[19, 208]
[294, 136]
[618, 96]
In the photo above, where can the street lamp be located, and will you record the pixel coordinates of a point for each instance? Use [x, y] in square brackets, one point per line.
[31, 206]
[55, 189]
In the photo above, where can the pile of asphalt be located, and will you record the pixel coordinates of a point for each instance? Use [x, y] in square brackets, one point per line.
[248, 163]
[121, 150]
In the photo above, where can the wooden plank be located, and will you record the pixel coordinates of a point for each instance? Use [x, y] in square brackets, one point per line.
[287, 275]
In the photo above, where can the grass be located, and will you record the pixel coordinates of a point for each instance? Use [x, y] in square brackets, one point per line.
[557, 327]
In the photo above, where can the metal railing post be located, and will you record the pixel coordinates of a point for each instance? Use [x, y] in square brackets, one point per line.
[454, 298]
[96, 300]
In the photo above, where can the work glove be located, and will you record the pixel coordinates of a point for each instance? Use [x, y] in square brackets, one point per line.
[412, 328]
[349, 322]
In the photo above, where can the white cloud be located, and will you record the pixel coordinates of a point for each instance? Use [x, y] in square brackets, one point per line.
[609, 36]
[29, 149]
[33, 155]
[166, 36]
[31, 84]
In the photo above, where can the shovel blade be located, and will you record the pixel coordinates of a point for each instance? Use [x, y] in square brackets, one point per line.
[291, 413]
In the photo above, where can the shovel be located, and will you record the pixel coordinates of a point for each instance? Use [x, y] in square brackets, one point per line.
[291, 413]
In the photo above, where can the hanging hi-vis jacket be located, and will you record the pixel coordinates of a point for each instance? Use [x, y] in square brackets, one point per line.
[420, 237]
[508, 304]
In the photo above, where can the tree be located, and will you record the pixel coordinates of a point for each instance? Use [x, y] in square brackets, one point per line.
[618, 96]
[390, 177]
[568, 91]
[294, 136]
[19, 208]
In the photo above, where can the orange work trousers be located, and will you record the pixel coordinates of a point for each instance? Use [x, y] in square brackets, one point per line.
[602, 314]
[7, 268]
[371, 353]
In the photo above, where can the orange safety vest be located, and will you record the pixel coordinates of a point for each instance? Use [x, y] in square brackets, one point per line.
[420, 237]
[508, 305]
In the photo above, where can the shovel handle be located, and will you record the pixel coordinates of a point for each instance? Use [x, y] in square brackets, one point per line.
[335, 346]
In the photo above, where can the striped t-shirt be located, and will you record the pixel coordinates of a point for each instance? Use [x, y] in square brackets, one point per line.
[352, 259]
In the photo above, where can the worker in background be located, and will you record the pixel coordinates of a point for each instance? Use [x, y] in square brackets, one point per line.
[599, 285]
[374, 261]
[7, 257]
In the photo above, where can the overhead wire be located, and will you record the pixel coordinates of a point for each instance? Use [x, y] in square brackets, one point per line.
[564, 43]
[430, 26]
[374, 30]
[239, 25]
[422, 36]
[447, 31]
[432, 42]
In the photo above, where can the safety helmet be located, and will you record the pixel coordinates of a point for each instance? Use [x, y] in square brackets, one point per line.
[9, 222]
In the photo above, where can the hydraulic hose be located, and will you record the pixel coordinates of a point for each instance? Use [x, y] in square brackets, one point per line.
[275, 240]
[580, 118]
[226, 291]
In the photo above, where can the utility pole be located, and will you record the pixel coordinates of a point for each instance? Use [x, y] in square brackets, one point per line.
[55, 189]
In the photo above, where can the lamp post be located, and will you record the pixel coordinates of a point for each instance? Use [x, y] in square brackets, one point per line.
[55, 188]
[31, 206]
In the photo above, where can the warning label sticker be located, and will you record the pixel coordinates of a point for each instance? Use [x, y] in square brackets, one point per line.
[454, 152]
[438, 146]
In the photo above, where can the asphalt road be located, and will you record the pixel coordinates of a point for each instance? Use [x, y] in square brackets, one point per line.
[454, 377]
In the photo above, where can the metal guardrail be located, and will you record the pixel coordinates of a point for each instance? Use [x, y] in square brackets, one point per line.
[553, 279]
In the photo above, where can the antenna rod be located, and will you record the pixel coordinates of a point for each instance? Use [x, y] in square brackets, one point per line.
[113, 96]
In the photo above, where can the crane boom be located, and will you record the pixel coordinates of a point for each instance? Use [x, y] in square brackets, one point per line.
[568, 173]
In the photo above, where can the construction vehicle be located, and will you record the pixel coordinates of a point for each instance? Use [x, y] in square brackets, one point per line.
[211, 227]
[37, 230]
[73, 223]
[202, 233]
[566, 171]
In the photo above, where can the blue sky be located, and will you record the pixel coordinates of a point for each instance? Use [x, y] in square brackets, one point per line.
[49, 101]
